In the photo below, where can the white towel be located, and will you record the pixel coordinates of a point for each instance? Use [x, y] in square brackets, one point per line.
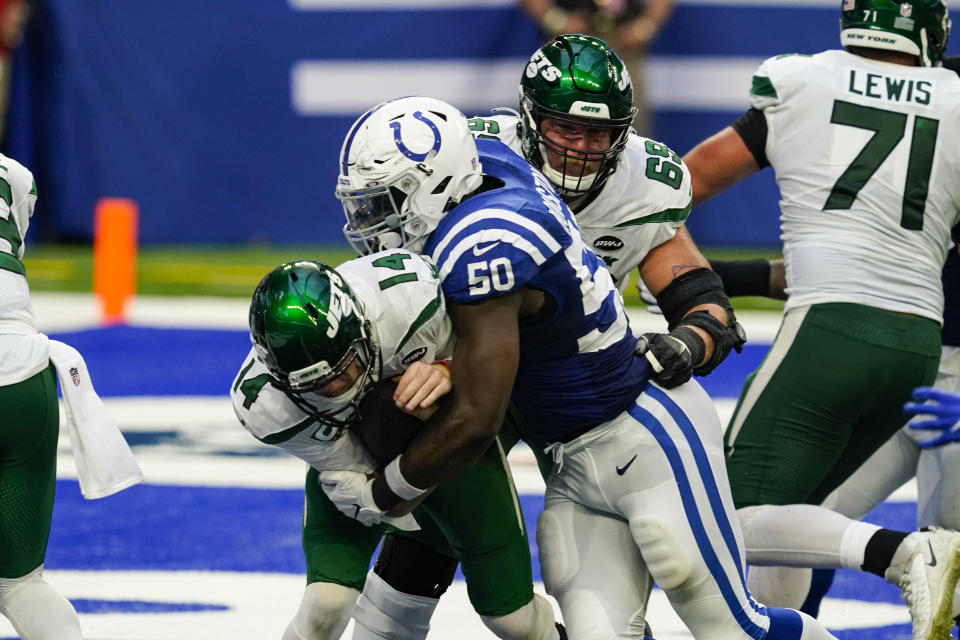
[105, 464]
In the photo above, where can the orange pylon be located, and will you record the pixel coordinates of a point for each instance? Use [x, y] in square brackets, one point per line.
[114, 257]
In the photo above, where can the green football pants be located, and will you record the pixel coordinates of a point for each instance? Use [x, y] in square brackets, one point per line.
[474, 517]
[28, 471]
[829, 392]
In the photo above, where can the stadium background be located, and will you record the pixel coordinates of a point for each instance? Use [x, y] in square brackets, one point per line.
[222, 120]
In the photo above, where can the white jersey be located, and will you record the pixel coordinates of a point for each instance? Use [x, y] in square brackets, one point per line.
[639, 207]
[23, 350]
[401, 297]
[866, 158]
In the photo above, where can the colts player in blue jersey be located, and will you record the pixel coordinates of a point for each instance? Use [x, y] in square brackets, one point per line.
[638, 454]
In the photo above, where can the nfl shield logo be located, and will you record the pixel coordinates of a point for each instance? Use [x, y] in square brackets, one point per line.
[75, 376]
[906, 10]
[848, 5]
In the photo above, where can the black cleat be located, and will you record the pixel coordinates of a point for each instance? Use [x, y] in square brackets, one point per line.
[562, 631]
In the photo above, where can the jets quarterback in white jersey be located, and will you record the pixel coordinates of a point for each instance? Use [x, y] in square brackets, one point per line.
[399, 317]
[638, 466]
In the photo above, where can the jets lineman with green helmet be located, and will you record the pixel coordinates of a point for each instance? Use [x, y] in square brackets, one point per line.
[630, 194]
[321, 338]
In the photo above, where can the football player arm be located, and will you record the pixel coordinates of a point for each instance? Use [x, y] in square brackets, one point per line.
[756, 277]
[671, 259]
[486, 354]
[729, 156]
[700, 319]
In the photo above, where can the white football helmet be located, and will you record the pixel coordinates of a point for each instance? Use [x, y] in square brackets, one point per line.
[403, 165]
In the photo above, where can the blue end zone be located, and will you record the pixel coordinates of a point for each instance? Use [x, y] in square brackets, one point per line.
[139, 361]
[228, 529]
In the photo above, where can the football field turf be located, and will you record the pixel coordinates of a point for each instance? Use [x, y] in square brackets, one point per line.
[209, 545]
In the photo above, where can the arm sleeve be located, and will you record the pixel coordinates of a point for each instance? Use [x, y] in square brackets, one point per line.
[752, 129]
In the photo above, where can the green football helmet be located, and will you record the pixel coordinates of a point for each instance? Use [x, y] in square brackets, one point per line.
[577, 79]
[307, 327]
[917, 27]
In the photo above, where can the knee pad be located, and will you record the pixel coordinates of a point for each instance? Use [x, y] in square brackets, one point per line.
[324, 611]
[532, 621]
[384, 612]
[414, 568]
[665, 556]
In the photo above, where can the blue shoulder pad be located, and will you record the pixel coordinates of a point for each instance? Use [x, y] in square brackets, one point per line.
[498, 241]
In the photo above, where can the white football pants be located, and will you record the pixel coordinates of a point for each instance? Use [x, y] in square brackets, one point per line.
[648, 491]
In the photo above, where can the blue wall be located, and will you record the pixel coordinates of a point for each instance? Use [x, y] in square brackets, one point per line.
[186, 106]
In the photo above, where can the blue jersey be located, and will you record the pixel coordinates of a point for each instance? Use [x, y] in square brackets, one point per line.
[577, 366]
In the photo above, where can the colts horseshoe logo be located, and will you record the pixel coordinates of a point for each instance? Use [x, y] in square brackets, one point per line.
[416, 157]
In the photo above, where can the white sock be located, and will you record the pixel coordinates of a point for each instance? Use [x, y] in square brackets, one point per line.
[854, 544]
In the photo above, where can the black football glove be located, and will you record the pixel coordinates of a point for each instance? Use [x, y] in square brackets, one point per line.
[671, 355]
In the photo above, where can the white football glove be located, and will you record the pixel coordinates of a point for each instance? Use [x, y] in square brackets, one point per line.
[352, 493]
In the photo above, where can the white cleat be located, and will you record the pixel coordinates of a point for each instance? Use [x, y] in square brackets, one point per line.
[926, 567]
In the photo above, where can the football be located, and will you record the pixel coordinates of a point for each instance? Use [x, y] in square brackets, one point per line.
[383, 428]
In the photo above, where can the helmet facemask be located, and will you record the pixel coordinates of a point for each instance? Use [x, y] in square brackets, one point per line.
[303, 387]
[579, 172]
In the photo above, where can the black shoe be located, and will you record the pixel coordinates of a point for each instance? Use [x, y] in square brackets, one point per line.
[562, 631]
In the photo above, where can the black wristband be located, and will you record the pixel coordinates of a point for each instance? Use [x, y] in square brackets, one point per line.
[743, 277]
[694, 343]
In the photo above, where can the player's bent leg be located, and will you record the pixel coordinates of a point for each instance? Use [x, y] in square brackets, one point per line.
[324, 612]
[591, 565]
[695, 553]
[803, 535]
[385, 613]
[402, 592]
[893, 464]
[494, 557]
[36, 610]
[337, 550]
[533, 621]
